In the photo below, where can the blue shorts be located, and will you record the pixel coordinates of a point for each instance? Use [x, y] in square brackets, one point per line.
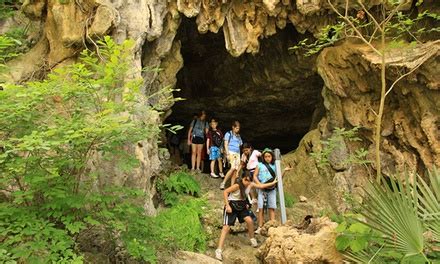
[214, 153]
[271, 198]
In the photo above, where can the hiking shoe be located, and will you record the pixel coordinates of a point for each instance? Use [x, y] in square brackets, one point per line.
[222, 186]
[213, 175]
[258, 231]
[218, 254]
[254, 242]
[222, 175]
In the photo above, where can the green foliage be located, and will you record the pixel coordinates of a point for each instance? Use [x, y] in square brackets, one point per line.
[178, 183]
[7, 50]
[289, 200]
[328, 36]
[8, 7]
[180, 228]
[51, 132]
[393, 222]
[404, 26]
[337, 138]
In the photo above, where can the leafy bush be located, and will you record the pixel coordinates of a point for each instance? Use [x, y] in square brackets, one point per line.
[51, 132]
[180, 228]
[176, 184]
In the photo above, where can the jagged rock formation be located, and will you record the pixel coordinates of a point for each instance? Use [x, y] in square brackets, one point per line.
[410, 130]
[312, 244]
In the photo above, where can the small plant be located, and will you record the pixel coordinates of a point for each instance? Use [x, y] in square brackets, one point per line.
[337, 138]
[289, 200]
[177, 184]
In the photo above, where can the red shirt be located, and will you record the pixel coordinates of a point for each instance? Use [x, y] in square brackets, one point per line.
[209, 136]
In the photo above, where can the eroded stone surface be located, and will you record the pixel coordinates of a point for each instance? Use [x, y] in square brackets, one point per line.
[315, 243]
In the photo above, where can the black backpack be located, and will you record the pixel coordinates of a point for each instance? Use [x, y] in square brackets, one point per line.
[272, 173]
[217, 139]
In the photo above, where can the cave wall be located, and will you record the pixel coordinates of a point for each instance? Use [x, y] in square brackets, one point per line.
[253, 88]
[410, 134]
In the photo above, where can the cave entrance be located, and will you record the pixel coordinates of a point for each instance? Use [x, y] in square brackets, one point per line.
[275, 96]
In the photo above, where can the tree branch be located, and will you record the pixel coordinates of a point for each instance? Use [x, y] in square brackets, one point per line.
[354, 28]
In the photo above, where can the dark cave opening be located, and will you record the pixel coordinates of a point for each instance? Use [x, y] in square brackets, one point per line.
[274, 94]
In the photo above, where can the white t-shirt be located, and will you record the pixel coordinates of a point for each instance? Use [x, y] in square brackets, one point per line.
[253, 160]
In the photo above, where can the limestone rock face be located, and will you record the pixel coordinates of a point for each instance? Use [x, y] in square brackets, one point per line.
[411, 118]
[315, 244]
[410, 137]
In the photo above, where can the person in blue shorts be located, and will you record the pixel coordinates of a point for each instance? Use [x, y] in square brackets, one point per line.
[213, 144]
[265, 173]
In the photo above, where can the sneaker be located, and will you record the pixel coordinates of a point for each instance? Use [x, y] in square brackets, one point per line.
[218, 254]
[222, 186]
[213, 175]
[222, 175]
[254, 242]
[258, 231]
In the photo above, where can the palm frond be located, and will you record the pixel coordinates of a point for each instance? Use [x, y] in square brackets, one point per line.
[392, 210]
[429, 202]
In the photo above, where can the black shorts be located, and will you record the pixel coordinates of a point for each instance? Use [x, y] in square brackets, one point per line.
[229, 218]
[198, 140]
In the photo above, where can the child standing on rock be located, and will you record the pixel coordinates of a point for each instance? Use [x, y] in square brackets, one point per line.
[213, 144]
[265, 173]
[236, 206]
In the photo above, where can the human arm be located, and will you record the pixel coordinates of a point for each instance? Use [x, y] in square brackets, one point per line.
[226, 193]
[190, 132]
[208, 142]
[226, 144]
[206, 128]
[286, 169]
[260, 185]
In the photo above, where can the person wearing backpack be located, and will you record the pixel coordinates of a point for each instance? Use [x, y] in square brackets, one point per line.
[232, 143]
[236, 206]
[196, 138]
[213, 144]
[265, 173]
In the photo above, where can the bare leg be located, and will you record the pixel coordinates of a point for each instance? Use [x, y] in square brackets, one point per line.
[228, 175]
[212, 166]
[199, 148]
[234, 177]
[271, 214]
[250, 226]
[221, 241]
[193, 156]
[220, 165]
[260, 217]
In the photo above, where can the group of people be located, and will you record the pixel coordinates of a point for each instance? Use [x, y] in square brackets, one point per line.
[252, 174]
